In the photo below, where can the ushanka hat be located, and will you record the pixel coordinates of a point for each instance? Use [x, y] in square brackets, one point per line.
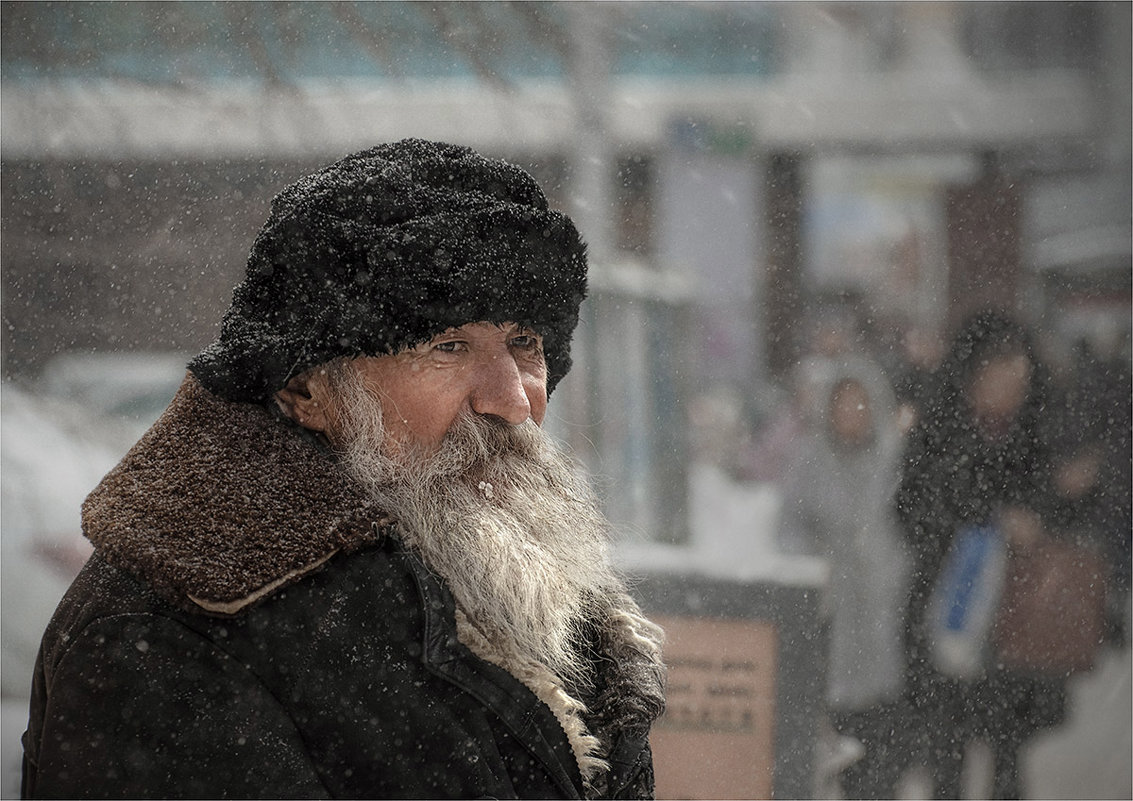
[387, 248]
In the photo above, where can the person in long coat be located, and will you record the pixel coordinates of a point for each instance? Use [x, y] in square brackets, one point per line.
[978, 456]
[838, 504]
[346, 562]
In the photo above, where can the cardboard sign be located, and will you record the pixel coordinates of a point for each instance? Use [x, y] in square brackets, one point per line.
[717, 736]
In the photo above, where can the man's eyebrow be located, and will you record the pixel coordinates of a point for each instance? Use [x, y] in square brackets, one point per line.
[452, 331]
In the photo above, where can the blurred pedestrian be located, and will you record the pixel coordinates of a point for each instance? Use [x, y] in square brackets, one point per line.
[830, 337]
[921, 352]
[838, 505]
[1092, 477]
[976, 457]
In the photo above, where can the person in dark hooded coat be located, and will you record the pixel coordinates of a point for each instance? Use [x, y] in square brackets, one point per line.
[346, 562]
[978, 456]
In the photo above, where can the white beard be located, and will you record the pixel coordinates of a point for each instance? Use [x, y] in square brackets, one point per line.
[499, 512]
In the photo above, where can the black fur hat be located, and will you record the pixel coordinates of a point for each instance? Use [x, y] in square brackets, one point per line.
[387, 248]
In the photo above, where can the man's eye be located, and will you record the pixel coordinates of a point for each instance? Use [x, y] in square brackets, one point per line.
[525, 341]
[448, 347]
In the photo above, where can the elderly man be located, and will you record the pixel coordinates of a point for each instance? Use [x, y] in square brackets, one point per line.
[346, 561]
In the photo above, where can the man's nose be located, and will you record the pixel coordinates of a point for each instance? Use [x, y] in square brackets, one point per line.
[499, 390]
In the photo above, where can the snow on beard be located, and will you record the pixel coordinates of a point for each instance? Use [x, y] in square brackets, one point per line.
[501, 514]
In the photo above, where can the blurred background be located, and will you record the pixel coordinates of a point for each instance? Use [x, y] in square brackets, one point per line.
[758, 183]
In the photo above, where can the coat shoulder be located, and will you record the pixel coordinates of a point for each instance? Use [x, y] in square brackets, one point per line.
[129, 694]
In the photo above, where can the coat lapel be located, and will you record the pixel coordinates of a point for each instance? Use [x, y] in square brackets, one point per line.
[528, 719]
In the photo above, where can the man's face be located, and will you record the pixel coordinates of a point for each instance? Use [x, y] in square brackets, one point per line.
[445, 438]
[488, 500]
[486, 369]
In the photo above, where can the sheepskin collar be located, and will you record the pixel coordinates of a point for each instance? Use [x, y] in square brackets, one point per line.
[221, 503]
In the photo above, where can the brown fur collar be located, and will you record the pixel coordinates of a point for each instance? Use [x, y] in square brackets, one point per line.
[220, 503]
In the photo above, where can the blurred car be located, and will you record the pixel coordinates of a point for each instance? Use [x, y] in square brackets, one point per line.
[127, 389]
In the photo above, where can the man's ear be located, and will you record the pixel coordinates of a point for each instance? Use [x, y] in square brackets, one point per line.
[306, 400]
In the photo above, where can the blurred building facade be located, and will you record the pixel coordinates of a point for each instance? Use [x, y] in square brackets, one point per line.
[733, 165]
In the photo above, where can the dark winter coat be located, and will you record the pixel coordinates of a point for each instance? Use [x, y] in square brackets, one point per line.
[953, 476]
[250, 626]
